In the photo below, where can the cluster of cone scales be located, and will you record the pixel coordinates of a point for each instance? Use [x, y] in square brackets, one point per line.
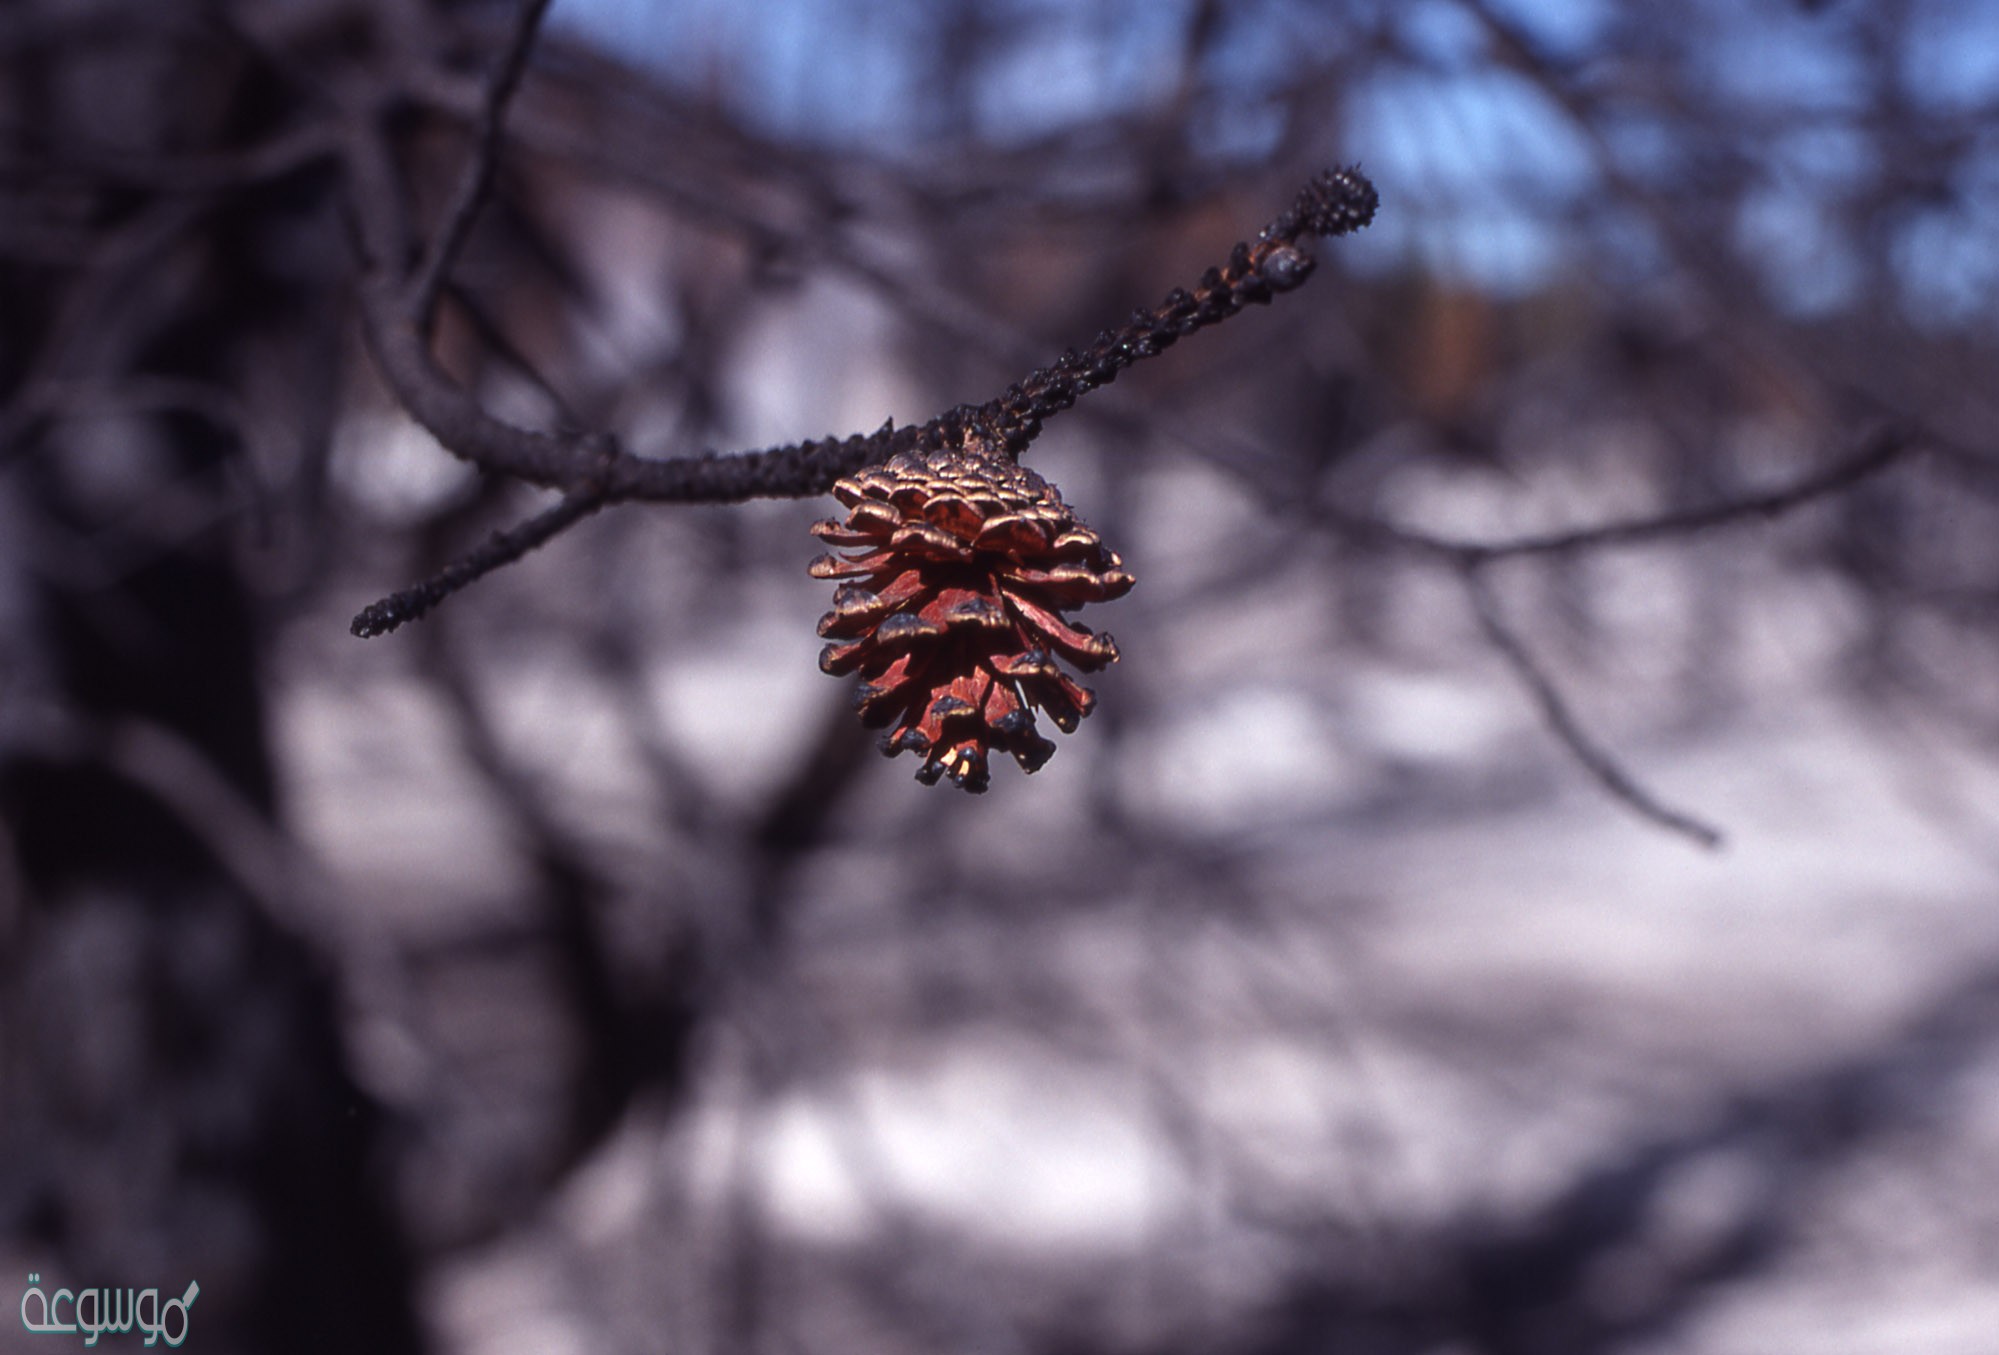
[950, 606]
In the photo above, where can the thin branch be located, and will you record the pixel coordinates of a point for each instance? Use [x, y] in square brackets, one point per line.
[1882, 449]
[1886, 447]
[501, 548]
[1567, 729]
[478, 175]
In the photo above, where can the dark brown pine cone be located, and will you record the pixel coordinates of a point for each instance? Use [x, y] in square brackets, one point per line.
[951, 609]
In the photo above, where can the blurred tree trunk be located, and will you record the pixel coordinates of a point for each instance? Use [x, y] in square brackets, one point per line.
[179, 1103]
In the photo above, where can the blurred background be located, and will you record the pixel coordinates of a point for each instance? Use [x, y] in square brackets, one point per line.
[567, 973]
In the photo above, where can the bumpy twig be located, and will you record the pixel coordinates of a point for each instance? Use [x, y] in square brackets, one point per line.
[1335, 203]
[501, 548]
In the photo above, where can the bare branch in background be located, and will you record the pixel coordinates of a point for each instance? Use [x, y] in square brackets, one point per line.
[1877, 453]
[477, 180]
[1561, 720]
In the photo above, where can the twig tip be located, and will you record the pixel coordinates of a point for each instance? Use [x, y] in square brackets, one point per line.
[1337, 202]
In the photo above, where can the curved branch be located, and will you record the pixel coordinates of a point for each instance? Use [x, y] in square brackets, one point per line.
[1885, 447]
[1567, 729]
[1880, 450]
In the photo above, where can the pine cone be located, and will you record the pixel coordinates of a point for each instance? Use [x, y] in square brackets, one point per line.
[951, 612]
